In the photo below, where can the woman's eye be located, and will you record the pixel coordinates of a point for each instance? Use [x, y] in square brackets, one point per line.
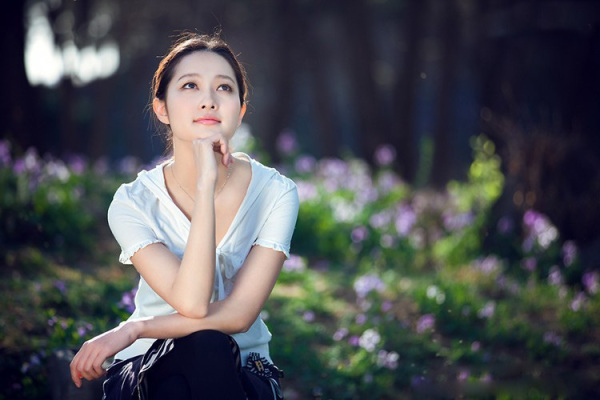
[189, 85]
[225, 87]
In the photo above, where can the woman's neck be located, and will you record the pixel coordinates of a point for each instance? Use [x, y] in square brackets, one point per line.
[185, 170]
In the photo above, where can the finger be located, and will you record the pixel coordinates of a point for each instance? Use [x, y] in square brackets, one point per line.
[81, 359]
[89, 367]
[97, 367]
[75, 376]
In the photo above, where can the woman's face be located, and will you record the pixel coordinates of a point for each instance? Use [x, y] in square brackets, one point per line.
[202, 98]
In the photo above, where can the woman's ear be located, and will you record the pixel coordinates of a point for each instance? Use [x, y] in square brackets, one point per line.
[242, 113]
[160, 109]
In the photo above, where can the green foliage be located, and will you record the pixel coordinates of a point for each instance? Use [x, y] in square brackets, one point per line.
[389, 293]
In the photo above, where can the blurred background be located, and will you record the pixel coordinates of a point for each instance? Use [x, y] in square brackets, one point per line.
[434, 93]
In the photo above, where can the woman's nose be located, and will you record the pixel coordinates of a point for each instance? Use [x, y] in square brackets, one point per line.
[207, 102]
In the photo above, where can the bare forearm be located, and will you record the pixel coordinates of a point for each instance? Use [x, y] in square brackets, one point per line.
[194, 280]
[221, 317]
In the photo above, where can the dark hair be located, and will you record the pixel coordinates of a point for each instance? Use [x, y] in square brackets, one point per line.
[187, 43]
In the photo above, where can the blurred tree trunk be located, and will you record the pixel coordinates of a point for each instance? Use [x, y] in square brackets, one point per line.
[19, 101]
[541, 96]
[368, 101]
[69, 141]
[327, 137]
[98, 143]
[405, 91]
[442, 147]
[282, 72]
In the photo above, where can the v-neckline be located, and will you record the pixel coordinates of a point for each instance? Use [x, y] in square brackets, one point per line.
[235, 217]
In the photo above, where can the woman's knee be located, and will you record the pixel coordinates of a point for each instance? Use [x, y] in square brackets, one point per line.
[206, 343]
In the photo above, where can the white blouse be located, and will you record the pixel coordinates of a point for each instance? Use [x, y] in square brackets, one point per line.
[142, 212]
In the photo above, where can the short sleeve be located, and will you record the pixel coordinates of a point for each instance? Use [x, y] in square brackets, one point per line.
[129, 227]
[278, 228]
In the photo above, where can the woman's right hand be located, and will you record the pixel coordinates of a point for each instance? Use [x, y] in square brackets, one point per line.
[204, 157]
[88, 361]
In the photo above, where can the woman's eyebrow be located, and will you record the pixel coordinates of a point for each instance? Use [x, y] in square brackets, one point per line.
[196, 75]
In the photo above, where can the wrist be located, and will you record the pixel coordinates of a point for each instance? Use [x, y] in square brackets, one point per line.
[204, 186]
[134, 329]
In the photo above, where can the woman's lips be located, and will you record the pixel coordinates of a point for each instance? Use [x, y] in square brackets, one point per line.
[207, 121]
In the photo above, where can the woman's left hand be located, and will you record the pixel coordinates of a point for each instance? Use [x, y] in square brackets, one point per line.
[88, 361]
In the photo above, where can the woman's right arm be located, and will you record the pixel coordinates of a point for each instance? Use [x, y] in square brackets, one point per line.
[187, 284]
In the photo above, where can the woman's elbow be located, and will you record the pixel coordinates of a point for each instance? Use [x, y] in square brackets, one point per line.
[244, 326]
[194, 312]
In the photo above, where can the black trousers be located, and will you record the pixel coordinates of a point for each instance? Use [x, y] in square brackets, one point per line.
[203, 365]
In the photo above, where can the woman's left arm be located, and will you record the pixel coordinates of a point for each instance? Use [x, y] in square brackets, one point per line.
[236, 313]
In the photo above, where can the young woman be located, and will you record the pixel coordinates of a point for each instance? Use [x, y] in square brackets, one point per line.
[208, 231]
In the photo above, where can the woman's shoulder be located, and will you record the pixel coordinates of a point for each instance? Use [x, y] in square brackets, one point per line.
[137, 190]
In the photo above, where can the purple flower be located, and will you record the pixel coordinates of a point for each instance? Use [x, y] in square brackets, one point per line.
[539, 228]
[425, 323]
[129, 165]
[294, 264]
[529, 264]
[463, 375]
[578, 302]
[486, 378]
[340, 334]
[359, 234]
[77, 164]
[405, 219]
[456, 222]
[554, 276]
[286, 142]
[19, 166]
[81, 331]
[101, 166]
[354, 340]
[308, 316]
[505, 225]
[128, 300]
[380, 219]
[552, 338]
[31, 161]
[369, 339]
[475, 346]
[385, 155]
[305, 164]
[488, 265]
[388, 181]
[590, 282]
[387, 241]
[367, 283]
[57, 169]
[333, 168]
[61, 286]
[488, 310]
[361, 319]
[306, 190]
[569, 251]
[364, 304]
[386, 306]
[387, 359]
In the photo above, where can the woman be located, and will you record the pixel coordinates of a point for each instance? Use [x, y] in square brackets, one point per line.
[208, 231]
